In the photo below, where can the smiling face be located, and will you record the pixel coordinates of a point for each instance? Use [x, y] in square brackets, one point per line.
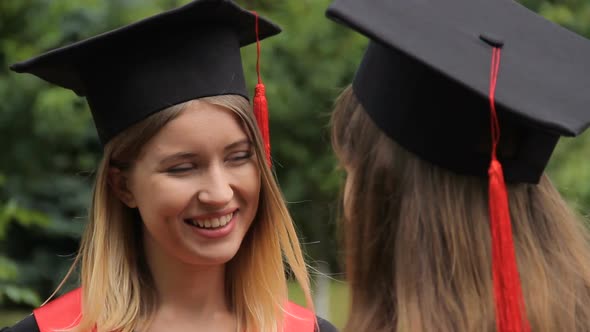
[196, 185]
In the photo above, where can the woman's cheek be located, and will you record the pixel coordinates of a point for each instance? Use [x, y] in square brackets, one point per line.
[171, 197]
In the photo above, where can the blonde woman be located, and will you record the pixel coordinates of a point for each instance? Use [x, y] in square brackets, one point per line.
[455, 110]
[187, 229]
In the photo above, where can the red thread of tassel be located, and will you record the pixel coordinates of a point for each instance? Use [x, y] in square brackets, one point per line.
[509, 302]
[260, 103]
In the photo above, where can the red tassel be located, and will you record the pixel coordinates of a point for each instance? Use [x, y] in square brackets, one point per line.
[510, 310]
[509, 302]
[261, 114]
[260, 103]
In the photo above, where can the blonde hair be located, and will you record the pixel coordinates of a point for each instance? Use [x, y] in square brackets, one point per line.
[117, 290]
[417, 241]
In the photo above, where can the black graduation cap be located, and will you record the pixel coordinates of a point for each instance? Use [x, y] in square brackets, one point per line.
[477, 87]
[425, 80]
[129, 73]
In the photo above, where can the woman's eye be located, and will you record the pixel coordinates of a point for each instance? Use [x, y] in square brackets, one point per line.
[180, 168]
[238, 156]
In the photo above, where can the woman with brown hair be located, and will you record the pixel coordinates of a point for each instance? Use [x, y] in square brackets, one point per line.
[450, 223]
[187, 230]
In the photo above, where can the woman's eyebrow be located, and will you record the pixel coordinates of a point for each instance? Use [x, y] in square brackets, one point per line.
[178, 156]
[192, 155]
[244, 141]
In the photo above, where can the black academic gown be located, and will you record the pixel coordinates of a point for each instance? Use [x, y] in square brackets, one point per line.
[30, 325]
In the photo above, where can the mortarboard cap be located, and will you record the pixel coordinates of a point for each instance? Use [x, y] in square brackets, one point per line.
[182, 54]
[425, 80]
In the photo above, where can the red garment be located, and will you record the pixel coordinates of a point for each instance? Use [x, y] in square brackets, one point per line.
[64, 312]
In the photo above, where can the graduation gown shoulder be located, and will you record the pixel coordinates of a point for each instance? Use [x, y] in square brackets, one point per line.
[325, 326]
[65, 311]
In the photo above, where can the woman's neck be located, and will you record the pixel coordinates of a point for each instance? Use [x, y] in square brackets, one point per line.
[186, 291]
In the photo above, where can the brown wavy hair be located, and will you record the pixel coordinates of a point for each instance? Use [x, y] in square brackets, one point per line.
[417, 241]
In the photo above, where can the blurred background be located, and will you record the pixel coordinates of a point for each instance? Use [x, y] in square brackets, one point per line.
[50, 147]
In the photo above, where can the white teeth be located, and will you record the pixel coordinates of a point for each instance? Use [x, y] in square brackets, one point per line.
[213, 222]
[226, 219]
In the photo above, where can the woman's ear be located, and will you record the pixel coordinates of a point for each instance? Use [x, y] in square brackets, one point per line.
[118, 181]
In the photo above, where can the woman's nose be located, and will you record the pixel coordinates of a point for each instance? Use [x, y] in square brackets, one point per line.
[216, 188]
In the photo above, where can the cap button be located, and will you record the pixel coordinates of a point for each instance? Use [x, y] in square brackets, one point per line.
[492, 40]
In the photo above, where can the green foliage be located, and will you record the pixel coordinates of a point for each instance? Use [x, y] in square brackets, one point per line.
[10, 290]
[569, 170]
[12, 212]
[11, 317]
[16, 294]
[51, 148]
